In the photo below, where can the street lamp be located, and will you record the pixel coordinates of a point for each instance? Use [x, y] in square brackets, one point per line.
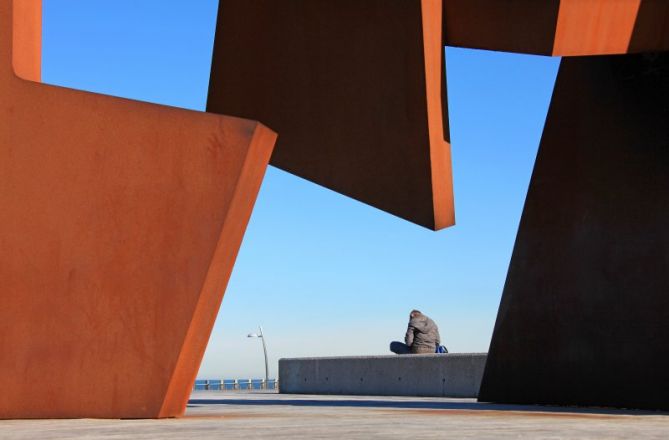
[264, 348]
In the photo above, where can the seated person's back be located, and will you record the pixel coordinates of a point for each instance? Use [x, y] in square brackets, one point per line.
[422, 336]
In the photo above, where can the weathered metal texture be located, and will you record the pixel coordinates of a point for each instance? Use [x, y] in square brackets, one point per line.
[354, 87]
[119, 225]
[558, 27]
[584, 317]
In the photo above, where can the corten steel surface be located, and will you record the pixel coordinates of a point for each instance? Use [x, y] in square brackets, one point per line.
[558, 27]
[353, 87]
[119, 225]
[357, 87]
[584, 317]
[120, 221]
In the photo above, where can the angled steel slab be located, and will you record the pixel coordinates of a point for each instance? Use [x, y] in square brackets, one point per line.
[558, 27]
[355, 89]
[119, 225]
[584, 318]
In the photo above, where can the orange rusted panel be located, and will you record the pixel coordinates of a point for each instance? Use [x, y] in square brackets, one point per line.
[27, 39]
[355, 88]
[437, 114]
[595, 27]
[558, 27]
[119, 225]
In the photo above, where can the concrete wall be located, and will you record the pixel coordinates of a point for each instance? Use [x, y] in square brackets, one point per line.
[438, 375]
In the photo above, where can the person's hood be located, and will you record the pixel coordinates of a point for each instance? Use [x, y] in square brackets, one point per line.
[419, 322]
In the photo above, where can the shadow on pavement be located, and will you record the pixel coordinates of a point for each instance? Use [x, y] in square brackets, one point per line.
[430, 405]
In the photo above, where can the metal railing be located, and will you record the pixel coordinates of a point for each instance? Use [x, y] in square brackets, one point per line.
[235, 384]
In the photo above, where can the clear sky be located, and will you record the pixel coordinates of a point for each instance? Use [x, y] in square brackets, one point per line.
[324, 274]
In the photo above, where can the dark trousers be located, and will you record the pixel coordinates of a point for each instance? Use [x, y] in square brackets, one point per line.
[402, 348]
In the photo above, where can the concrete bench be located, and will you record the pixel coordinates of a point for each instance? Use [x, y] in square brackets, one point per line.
[437, 375]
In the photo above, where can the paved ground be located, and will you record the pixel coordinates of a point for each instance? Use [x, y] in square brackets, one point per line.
[232, 415]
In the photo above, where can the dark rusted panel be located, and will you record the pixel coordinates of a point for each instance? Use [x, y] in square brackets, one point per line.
[584, 318]
[354, 89]
[651, 29]
[526, 26]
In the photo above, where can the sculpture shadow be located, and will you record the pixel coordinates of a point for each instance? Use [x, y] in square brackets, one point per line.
[382, 403]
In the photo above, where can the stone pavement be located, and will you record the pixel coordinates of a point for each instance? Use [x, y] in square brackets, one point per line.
[267, 415]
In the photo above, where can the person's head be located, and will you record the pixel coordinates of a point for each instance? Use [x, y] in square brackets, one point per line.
[414, 313]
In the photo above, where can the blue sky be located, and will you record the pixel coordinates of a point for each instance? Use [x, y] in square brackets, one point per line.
[324, 274]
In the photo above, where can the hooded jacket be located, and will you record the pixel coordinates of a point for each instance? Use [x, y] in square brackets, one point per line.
[422, 332]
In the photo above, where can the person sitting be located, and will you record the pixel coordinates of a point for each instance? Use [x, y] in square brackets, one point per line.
[422, 336]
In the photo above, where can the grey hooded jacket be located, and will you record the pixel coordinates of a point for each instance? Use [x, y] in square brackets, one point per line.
[422, 332]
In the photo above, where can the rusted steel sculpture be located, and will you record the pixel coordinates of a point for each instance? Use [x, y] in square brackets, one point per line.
[120, 221]
[352, 86]
[119, 226]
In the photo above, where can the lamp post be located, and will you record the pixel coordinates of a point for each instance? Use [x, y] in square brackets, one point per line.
[264, 348]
